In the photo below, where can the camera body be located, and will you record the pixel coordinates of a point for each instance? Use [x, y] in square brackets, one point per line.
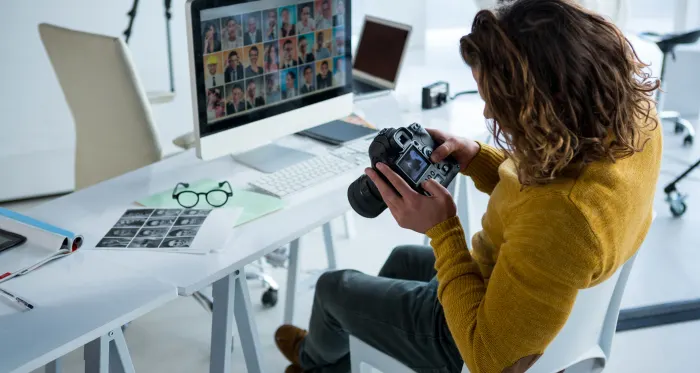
[435, 95]
[407, 152]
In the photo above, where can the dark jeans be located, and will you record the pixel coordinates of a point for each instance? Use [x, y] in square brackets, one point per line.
[398, 313]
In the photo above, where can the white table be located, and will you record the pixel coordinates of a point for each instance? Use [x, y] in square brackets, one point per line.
[78, 300]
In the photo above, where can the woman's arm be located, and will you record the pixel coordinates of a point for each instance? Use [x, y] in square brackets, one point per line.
[483, 168]
[505, 327]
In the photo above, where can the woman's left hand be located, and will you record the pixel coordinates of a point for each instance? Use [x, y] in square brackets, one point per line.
[412, 210]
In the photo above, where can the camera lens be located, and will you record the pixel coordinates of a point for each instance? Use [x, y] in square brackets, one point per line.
[364, 198]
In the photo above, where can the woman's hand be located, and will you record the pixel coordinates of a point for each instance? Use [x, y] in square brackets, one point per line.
[410, 209]
[462, 150]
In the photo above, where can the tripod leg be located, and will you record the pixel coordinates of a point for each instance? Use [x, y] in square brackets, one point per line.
[132, 15]
[168, 15]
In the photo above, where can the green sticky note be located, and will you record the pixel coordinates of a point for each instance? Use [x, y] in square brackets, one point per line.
[254, 204]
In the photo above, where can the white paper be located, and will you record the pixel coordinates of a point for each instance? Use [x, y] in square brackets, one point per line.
[190, 231]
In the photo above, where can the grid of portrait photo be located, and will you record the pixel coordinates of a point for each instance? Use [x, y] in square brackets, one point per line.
[257, 59]
[155, 229]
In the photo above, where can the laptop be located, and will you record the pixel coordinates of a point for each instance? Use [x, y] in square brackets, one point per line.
[377, 60]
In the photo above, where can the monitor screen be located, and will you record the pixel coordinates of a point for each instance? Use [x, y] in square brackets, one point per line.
[380, 50]
[256, 59]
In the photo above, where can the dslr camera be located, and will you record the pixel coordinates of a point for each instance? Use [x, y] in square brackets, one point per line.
[407, 151]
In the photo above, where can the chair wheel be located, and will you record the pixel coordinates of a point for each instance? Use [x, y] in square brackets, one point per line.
[688, 140]
[676, 203]
[679, 128]
[678, 209]
[269, 298]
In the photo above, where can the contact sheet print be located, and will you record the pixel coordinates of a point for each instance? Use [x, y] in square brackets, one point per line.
[157, 229]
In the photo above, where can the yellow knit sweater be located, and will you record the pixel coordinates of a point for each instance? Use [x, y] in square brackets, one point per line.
[507, 298]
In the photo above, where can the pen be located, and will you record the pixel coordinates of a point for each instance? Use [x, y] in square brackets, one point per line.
[17, 299]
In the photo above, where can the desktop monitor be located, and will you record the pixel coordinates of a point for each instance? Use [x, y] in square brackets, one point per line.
[380, 52]
[261, 70]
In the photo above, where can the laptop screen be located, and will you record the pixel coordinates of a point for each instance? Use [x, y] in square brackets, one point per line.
[380, 50]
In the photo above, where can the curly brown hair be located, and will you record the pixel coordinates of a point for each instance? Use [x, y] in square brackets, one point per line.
[563, 85]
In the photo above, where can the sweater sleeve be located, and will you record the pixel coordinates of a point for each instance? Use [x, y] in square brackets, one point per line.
[543, 263]
[483, 169]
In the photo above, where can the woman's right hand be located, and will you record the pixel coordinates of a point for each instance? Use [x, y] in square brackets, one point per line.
[461, 149]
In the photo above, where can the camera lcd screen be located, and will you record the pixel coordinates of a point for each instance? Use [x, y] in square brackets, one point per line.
[413, 164]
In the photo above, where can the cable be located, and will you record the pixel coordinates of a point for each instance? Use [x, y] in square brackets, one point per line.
[463, 93]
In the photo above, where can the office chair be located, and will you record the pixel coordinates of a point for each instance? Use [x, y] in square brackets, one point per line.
[667, 43]
[106, 121]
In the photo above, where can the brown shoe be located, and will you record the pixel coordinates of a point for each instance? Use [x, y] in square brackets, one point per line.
[288, 339]
[293, 369]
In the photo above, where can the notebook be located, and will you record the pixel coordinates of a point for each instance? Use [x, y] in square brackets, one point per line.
[45, 243]
[340, 131]
[253, 205]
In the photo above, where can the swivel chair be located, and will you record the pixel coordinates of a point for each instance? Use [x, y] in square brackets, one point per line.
[667, 44]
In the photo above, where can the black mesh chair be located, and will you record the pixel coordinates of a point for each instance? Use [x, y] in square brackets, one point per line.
[667, 43]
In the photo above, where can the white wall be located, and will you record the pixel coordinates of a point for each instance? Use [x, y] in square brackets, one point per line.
[34, 117]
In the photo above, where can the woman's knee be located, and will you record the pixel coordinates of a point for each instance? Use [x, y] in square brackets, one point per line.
[332, 282]
[396, 260]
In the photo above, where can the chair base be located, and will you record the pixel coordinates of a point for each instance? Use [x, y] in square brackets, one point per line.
[674, 198]
[268, 299]
[681, 125]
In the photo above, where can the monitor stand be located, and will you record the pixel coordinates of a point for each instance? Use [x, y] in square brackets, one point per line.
[271, 157]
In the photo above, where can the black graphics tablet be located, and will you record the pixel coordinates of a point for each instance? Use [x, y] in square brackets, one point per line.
[338, 132]
[9, 240]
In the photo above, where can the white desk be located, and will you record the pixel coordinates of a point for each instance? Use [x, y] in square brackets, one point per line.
[78, 300]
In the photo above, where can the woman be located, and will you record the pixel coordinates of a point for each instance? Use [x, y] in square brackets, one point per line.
[271, 62]
[571, 187]
[213, 100]
[211, 40]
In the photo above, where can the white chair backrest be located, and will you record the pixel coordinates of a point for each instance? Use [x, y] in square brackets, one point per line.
[587, 336]
[115, 132]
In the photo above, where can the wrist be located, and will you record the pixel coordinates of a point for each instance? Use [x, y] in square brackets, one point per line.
[471, 150]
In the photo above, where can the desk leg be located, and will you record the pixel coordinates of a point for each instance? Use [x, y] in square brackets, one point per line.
[247, 330]
[292, 274]
[107, 354]
[349, 222]
[231, 298]
[54, 366]
[221, 324]
[330, 249]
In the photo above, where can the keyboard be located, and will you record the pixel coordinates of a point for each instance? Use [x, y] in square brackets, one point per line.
[360, 87]
[308, 173]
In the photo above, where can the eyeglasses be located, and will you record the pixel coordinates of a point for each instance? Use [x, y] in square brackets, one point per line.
[215, 197]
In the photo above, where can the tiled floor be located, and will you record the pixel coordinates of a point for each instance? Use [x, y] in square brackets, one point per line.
[175, 338]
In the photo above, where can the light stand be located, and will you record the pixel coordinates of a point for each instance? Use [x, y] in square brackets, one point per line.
[168, 16]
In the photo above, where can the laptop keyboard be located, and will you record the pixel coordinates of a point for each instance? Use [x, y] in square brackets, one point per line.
[362, 87]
